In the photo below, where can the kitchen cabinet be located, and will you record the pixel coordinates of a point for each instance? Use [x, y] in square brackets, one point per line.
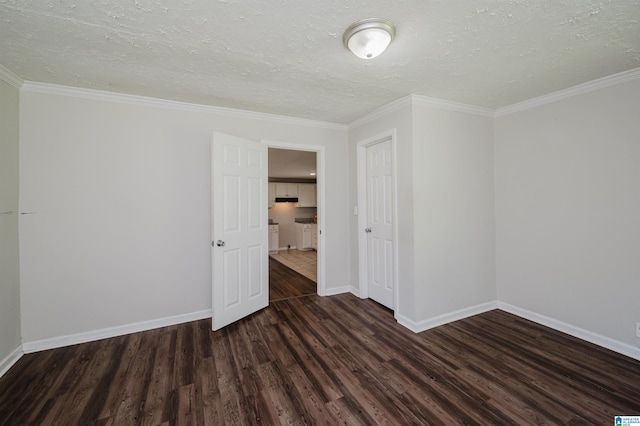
[272, 194]
[314, 236]
[274, 238]
[307, 195]
[286, 190]
[304, 236]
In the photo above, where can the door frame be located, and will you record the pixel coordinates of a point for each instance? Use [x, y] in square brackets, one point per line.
[363, 282]
[320, 182]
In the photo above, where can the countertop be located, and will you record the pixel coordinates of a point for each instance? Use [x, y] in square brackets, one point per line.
[304, 220]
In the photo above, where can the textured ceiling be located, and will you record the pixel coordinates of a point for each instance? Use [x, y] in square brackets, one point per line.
[286, 57]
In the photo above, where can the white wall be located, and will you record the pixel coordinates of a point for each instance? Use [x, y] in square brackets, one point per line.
[446, 232]
[10, 337]
[568, 211]
[120, 195]
[115, 238]
[454, 232]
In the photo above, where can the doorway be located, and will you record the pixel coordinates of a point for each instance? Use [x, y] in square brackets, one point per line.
[240, 233]
[300, 218]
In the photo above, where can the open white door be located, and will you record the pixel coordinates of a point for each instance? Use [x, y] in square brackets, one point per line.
[240, 233]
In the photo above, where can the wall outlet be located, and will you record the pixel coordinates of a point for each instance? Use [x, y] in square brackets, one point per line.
[638, 329]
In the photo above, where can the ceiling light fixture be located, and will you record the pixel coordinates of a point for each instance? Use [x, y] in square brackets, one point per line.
[369, 37]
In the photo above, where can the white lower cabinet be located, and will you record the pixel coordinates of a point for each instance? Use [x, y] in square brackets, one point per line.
[274, 239]
[304, 236]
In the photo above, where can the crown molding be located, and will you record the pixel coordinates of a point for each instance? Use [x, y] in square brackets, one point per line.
[420, 101]
[381, 111]
[452, 106]
[123, 98]
[580, 89]
[398, 104]
[10, 78]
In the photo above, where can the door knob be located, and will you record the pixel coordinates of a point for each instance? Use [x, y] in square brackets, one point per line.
[367, 230]
[220, 243]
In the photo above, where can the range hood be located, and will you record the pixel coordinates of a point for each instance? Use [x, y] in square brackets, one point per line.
[286, 199]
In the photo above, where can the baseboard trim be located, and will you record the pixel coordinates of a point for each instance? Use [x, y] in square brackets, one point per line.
[596, 339]
[443, 319]
[416, 327]
[10, 359]
[90, 336]
[285, 249]
[337, 290]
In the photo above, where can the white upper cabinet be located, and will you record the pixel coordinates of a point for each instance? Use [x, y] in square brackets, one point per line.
[272, 194]
[286, 190]
[307, 195]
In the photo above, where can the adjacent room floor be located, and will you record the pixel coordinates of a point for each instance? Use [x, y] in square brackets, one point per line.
[304, 262]
[285, 283]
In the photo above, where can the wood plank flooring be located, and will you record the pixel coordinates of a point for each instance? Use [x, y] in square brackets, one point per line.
[285, 283]
[332, 360]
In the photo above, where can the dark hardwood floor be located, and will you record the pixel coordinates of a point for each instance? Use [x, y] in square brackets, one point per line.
[285, 283]
[332, 360]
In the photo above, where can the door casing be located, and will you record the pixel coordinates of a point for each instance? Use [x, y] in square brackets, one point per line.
[321, 199]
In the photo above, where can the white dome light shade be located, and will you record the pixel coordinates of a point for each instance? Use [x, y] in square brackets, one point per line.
[367, 44]
[369, 38]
